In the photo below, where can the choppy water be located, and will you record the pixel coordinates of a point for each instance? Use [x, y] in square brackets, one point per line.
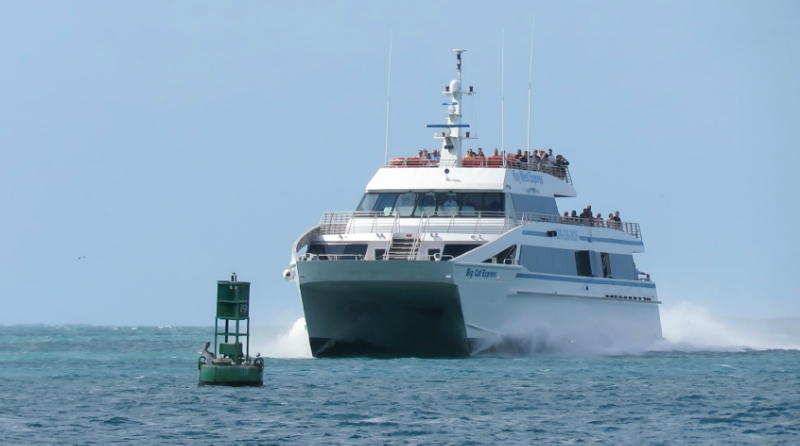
[98, 385]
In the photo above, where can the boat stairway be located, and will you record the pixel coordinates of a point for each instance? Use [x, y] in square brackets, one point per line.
[403, 248]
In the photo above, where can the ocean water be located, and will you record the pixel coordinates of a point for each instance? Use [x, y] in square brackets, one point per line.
[101, 385]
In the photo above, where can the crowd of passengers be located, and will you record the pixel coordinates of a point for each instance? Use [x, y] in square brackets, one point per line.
[587, 219]
[537, 158]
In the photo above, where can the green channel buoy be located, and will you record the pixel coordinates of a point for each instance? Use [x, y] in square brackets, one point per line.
[229, 365]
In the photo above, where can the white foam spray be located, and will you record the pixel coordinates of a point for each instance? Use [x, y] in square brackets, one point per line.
[291, 344]
[688, 327]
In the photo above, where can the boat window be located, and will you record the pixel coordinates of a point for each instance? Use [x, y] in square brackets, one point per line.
[606, 264]
[457, 250]
[434, 204]
[432, 253]
[368, 202]
[405, 204]
[349, 251]
[622, 266]
[540, 259]
[426, 205]
[385, 204]
[583, 263]
[505, 256]
[534, 204]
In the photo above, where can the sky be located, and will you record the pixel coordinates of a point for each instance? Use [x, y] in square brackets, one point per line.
[151, 148]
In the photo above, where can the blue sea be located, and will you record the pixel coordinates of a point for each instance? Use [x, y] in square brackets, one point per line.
[101, 385]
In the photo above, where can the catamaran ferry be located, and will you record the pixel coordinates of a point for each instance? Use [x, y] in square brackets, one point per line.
[462, 256]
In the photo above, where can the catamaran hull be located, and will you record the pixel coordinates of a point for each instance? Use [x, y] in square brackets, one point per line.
[401, 309]
[382, 309]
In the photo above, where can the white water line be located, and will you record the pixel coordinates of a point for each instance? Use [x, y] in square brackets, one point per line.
[388, 91]
[530, 67]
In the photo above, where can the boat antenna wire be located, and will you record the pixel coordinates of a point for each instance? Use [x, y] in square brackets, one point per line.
[503, 97]
[388, 91]
[530, 67]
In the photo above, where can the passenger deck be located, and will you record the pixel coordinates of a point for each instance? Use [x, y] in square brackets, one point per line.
[489, 162]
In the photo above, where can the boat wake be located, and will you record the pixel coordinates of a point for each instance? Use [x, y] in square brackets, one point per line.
[690, 328]
[687, 328]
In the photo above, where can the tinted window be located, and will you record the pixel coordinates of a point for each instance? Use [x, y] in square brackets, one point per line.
[541, 259]
[457, 250]
[368, 202]
[534, 204]
[434, 204]
[583, 263]
[385, 203]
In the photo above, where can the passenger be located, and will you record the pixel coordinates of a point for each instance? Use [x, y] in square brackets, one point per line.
[586, 217]
[495, 206]
[642, 273]
[565, 218]
[524, 157]
[598, 221]
[610, 223]
[518, 156]
[574, 215]
[450, 202]
[547, 160]
[435, 155]
[480, 153]
[550, 155]
[495, 153]
[536, 160]
[470, 155]
[419, 154]
[560, 165]
[425, 154]
[616, 217]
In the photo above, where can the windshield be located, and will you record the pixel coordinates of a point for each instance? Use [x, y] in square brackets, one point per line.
[434, 204]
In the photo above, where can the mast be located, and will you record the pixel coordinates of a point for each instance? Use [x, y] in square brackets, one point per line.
[451, 133]
[530, 71]
[388, 91]
[503, 98]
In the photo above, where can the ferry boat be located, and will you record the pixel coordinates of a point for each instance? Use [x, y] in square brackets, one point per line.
[459, 257]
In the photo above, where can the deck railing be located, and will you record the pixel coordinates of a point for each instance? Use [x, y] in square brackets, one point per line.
[490, 162]
[477, 223]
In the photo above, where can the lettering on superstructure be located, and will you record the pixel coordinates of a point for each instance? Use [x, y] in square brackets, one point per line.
[480, 273]
[568, 234]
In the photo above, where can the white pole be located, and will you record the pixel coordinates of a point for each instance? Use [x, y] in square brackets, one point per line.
[530, 67]
[388, 91]
[503, 98]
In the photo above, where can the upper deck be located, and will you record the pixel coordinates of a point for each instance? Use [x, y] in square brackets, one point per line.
[493, 162]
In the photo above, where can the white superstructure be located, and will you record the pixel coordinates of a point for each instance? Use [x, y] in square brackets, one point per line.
[454, 257]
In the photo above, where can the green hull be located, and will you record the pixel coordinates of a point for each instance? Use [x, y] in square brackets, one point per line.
[231, 375]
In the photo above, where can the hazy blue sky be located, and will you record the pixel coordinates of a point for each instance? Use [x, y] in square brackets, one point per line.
[174, 142]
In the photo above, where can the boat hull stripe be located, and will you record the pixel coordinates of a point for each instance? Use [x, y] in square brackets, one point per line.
[590, 239]
[587, 280]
